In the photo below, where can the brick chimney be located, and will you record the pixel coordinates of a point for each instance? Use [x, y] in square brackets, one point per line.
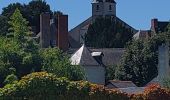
[154, 25]
[45, 30]
[62, 32]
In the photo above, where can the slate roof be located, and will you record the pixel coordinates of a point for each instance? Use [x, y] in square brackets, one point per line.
[112, 56]
[83, 57]
[162, 26]
[121, 84]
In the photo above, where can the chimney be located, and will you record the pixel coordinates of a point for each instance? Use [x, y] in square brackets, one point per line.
[45, 30]
[154, 25]
[163, 62]
[63, 32]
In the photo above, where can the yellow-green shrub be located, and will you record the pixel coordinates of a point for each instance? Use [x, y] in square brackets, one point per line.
[46, 86]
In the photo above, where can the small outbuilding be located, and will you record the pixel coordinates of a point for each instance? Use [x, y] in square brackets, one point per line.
[94, 70]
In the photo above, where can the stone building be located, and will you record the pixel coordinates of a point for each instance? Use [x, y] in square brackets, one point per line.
[54, 33]
[99, 8]
[92, 64]
[95, 60]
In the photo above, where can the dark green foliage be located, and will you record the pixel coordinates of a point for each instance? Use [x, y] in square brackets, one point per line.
[6, 14]
[34, 9]
[139, 63]
[9, 10]
[110, 72]
[107, 33]
[3, 25]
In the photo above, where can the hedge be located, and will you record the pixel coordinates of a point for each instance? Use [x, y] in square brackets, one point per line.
[46, 86]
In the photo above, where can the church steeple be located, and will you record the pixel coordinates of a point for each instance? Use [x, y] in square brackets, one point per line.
[103, 8]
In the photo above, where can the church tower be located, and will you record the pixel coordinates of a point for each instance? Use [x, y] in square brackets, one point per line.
[103, 8]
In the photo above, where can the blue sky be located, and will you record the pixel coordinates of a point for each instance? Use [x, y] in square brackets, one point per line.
[136, 13]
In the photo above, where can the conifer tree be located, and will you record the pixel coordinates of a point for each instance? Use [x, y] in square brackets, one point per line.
[19, 26]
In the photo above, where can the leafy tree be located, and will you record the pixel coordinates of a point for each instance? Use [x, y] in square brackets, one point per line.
[139, 63]
[10, 9]
[29, 11]
[110, 72]
[140, 60]
[34, 9]
[54, 61]
[107, 33]
[19, 26]
[23, 53]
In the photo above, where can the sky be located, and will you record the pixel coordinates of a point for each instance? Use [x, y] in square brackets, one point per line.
[137, 13]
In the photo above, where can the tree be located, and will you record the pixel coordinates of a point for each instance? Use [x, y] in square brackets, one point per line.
[107, 33]
[30, 11]
[54, 61]
[10, 9]
[26, 56]
[34, 9]
[19, 26]
[139, 63]
[110, 72]
[140, 60]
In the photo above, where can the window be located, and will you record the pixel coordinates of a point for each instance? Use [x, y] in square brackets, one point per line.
[97, 8]
[110, 7]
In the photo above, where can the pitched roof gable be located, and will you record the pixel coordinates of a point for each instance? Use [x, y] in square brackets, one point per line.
[122, 84]
[83, 57]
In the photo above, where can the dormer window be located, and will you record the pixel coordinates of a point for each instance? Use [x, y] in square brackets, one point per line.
[97, 8]
[110, 7]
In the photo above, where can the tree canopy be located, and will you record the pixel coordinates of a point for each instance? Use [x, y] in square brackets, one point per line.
[20, 52]
[29, 11]
[140, 60]
[107, 33]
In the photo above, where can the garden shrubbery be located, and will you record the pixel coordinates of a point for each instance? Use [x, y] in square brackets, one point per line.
[46, 86]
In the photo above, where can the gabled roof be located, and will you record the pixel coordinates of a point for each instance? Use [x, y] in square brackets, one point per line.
[83, 57]
[142, 34]
[112, 56]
